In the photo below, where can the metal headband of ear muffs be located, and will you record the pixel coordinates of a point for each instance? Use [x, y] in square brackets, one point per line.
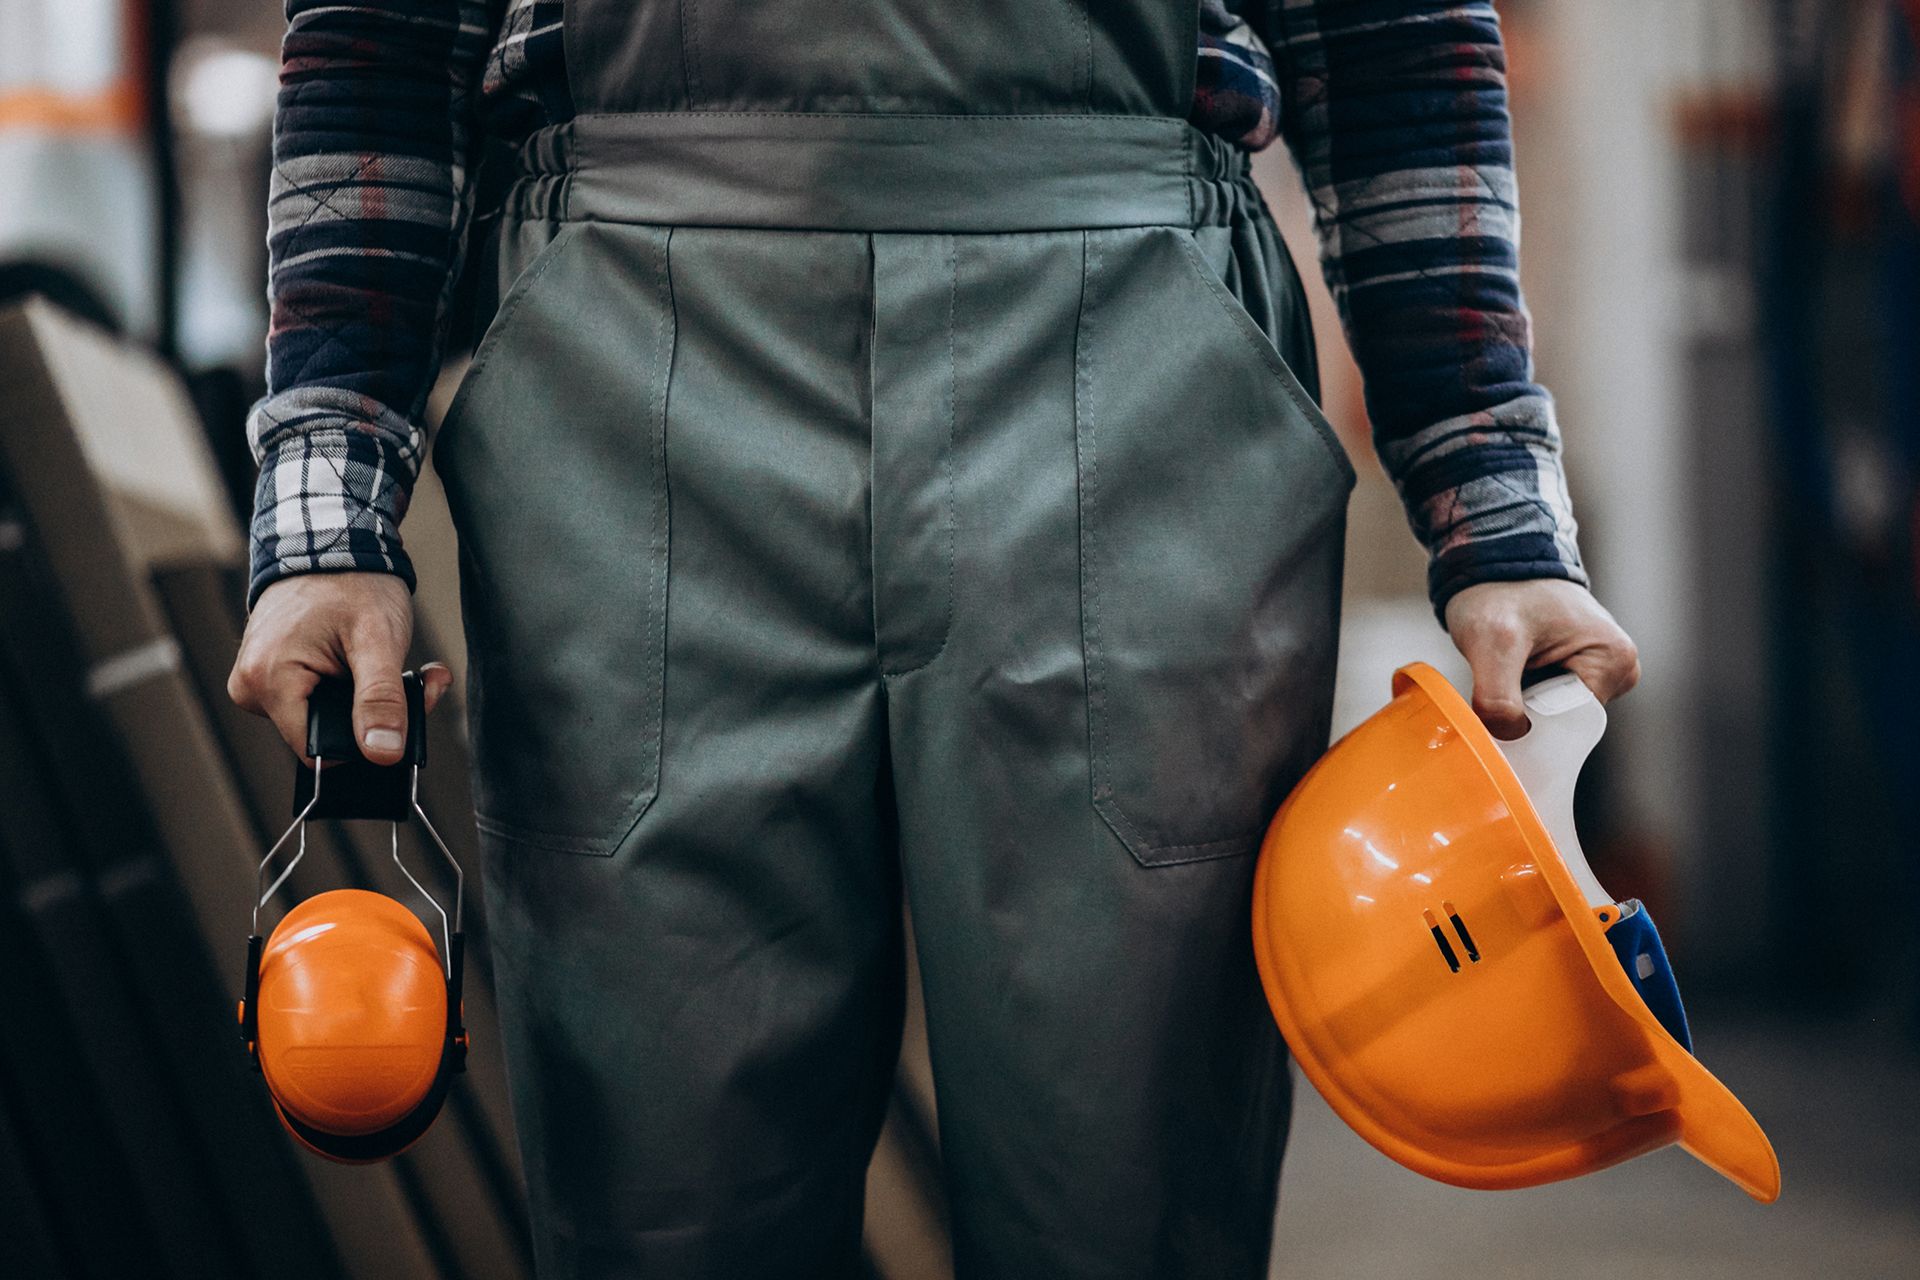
[355, 787]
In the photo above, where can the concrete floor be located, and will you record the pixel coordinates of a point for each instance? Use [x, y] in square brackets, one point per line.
[1842, 1106]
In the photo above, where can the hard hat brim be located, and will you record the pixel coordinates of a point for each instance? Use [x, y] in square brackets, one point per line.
[1714, 1127]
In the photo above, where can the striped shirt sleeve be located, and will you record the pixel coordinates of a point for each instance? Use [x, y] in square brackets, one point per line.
[1396, 112]
[369, 201]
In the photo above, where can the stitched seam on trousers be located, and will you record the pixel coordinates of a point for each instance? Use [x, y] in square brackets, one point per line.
[827, 118]
[1138, 843]
[1250, 333]
[1099, 722]
[1086, 33]
[534, 839]
[665, 339]
[1187, 158]
[873, 451]
[1089, 508]
[657, 547]
[690, 66]
[517, 292]
[946, 465]
[1235, 841]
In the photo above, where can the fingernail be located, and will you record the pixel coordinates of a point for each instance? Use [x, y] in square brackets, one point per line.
[384, 740]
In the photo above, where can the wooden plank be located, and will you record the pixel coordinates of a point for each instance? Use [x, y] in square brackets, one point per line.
[77, 1161]
[60, 918]
[33, 1248]
[87, 788]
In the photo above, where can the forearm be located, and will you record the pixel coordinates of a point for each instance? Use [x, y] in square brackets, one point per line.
[367, 222]
[1397, 114]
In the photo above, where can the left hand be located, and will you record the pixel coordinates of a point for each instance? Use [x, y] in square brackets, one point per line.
[1506, 628]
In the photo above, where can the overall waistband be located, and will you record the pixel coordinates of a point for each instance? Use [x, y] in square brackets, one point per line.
[916, 173]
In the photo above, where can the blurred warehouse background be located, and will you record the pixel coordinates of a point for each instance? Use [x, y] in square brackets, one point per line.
[1721, 203]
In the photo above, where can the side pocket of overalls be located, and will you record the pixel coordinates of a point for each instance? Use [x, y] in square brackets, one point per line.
[554, 457]
[1213, 499]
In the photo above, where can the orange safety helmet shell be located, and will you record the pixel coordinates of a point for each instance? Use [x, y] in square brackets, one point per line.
[352, 1015]
[1535, 1059]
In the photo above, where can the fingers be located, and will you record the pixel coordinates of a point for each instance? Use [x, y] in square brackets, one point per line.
[1609, 666]
[380, 703]
[282, 699]
[436, 680]
[376, 655]
[1497, 651]
[380, 699]
[280, 696]
[286, 707]
[307, 626]
[1505, 628]
[1571, 629]
[278, 691]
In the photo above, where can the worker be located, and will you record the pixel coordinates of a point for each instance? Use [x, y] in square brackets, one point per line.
[891, 465]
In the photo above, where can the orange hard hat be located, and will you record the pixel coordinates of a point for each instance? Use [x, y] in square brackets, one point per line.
[351, 1024]
[1451, 976]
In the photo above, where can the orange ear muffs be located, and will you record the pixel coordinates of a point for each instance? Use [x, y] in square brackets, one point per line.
[351, 1013]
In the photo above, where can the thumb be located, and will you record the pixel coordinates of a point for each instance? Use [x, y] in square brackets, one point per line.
[1497, 660]
[376, 659]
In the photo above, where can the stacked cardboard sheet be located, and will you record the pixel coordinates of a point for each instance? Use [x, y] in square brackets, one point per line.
[134, 806]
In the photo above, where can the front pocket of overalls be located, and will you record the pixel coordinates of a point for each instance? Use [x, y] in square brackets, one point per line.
[1212, 499]
[553, 453]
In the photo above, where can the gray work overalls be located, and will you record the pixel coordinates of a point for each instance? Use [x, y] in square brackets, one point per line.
[888, 460]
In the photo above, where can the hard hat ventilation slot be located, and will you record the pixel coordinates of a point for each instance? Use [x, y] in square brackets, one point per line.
[1440, 940]
[1460, 927]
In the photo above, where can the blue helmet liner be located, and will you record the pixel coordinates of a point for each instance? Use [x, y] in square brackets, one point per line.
[1637, 944]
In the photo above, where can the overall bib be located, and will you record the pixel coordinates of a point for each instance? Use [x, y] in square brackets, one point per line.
[887, 460]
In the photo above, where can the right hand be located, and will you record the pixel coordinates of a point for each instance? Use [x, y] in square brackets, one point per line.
[329, 624]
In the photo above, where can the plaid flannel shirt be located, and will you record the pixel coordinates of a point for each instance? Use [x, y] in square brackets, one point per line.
[1395, 111]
